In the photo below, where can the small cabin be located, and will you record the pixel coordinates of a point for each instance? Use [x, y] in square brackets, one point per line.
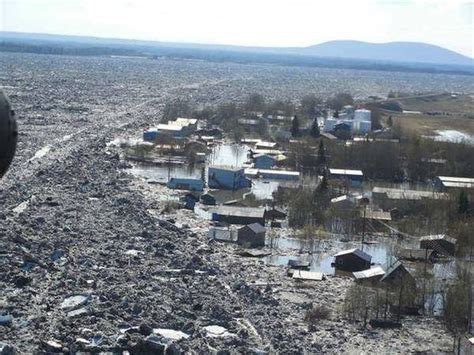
[251, 235]
[397, 275]
[369, 277]
[352, 260]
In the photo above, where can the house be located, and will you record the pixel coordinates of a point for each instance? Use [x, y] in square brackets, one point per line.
[446, 183]
[251, 235]
[397, 275]
[220, 177]
[239, 215]
[275, 213]
[416, 255]
[342, 202]
[208, 199]
[354, 177]
[369, 277]
[440, 243]
[264, 161]
[388, 198]
[186, 184]
[352, 260]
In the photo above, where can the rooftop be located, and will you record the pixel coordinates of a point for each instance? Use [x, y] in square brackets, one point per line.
[365, 274]
[240, 211]
[355, 251]
[438, 237]
[346, 172]
[399, 194]
[256, 227]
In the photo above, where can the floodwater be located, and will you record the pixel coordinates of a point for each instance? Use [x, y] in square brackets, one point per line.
[320, 254]
[234, 155]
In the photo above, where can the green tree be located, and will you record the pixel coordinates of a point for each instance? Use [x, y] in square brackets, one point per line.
[336, 114]
[463, 204]
[390, 121]
[295, 127]
[456, 310]
[315, 132]
[321, 154]
[309, 105]
[255, 102]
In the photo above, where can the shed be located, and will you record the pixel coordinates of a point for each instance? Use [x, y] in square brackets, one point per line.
[440, 243]
[239, 215]
[186, 184]
[444, 183]
[397, 275]
[264, 161]
[416, 255]
[221, 177]
[352, 260]
[251, 235]
[190, 201]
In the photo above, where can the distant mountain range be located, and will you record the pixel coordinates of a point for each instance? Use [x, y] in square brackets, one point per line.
[341, 53]
[407, 52]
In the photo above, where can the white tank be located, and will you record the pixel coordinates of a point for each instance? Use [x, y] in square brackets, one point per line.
[362, 115]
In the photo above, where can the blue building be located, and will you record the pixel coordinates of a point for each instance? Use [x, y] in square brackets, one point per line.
[150, 135]
[227, 178]
[264, 161]
[186, 184]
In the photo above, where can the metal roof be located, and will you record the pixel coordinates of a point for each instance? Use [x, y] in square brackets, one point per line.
[399, 194]
[255, 227]
[168, 127]
[346, 172]
[365, 274]
[355, 251]
[456, 179]
[438, 237]
[226, 168]
[240, 211]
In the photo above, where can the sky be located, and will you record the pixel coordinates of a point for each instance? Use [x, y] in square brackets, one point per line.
[279, 23]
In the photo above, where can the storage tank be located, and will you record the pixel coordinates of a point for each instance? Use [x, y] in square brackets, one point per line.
[362, 115]
[365, 126]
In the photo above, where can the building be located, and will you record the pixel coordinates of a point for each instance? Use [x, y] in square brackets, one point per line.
[352, 260]
[441, 244]
[264, 161]
[416, 255]
[239, 215]
[369, 277]
[388, 198]
[446, 183]
[222, 234]
[150, 135]
[278, 174]
[397, 275]
[190, 201]
[186, 184]
[361, 115]
[251, 235]
[266, 145]
[229, 178]
[175, 131]
[189, 124]
[342, 202]
[353, 177]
